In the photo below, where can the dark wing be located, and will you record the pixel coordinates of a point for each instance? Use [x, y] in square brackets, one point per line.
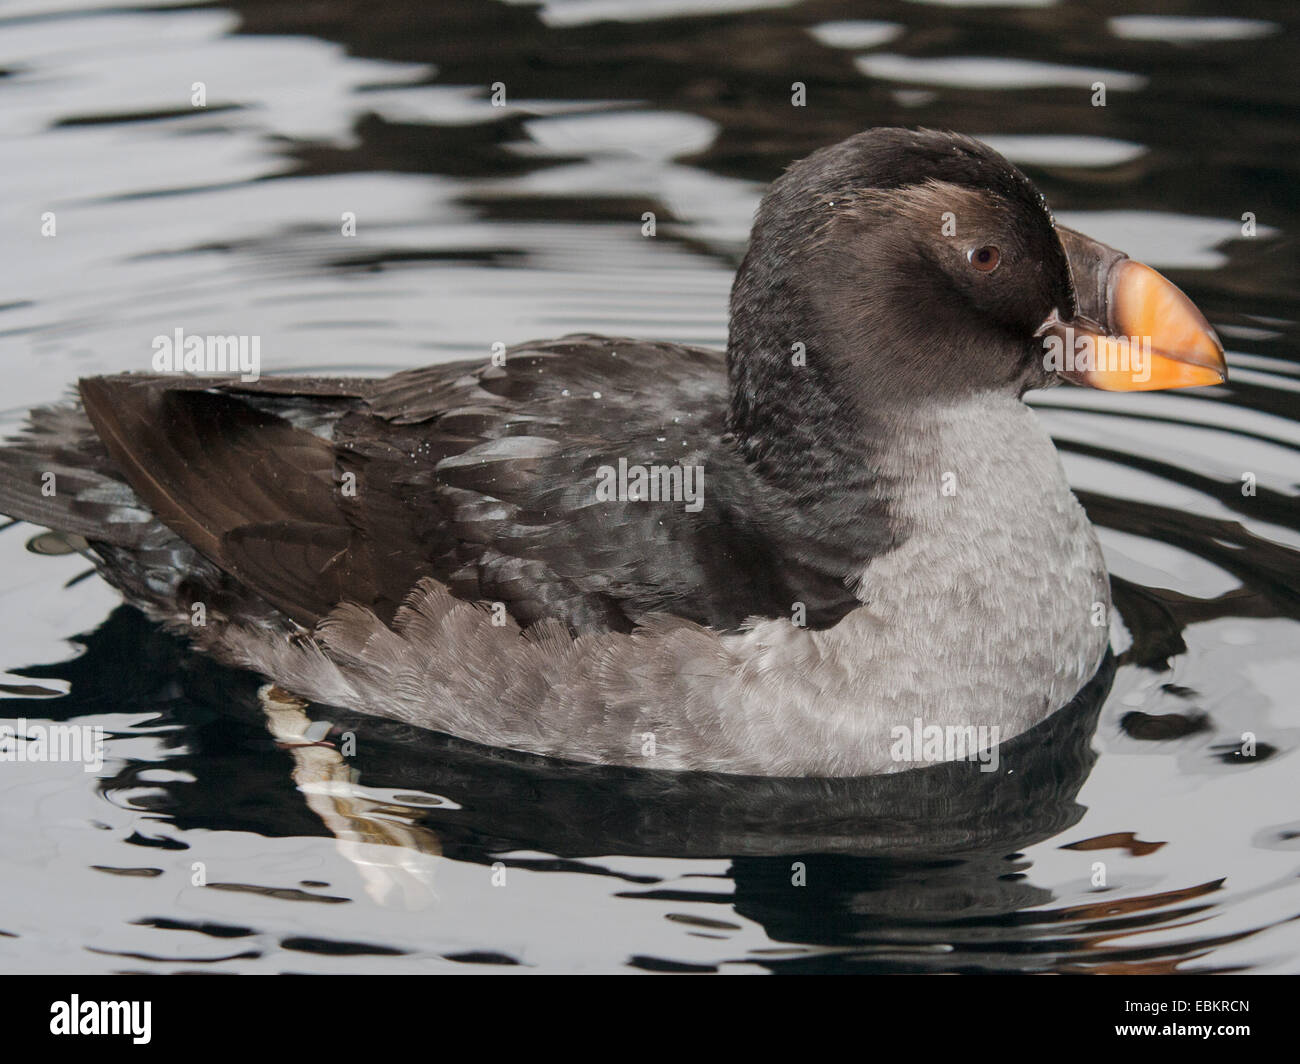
[314, 492]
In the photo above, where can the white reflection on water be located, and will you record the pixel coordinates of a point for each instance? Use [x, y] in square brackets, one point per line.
[1163, 240]
[856, 34]
[1185, 29]
[993, 72]
[584, 12]
[1064, 150]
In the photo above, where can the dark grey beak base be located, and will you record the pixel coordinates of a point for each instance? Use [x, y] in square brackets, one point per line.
[1090, 264]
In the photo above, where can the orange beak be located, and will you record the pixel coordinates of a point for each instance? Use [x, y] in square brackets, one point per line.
[1134, 331]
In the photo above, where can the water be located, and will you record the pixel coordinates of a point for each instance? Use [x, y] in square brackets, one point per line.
[478, 224]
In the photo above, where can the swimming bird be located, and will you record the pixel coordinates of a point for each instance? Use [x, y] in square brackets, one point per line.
[790, 558]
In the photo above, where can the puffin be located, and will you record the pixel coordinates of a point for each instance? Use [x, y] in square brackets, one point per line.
[808, 555]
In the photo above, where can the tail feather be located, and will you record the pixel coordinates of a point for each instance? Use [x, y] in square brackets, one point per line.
[56, 473]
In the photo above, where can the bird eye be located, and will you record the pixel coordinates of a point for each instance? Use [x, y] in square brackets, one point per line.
[984, 259]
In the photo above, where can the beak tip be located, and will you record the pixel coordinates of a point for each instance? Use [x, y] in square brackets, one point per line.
[1223, 360]
[1220, 366]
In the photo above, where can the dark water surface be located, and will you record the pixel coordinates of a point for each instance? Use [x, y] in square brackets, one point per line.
[478, 224]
